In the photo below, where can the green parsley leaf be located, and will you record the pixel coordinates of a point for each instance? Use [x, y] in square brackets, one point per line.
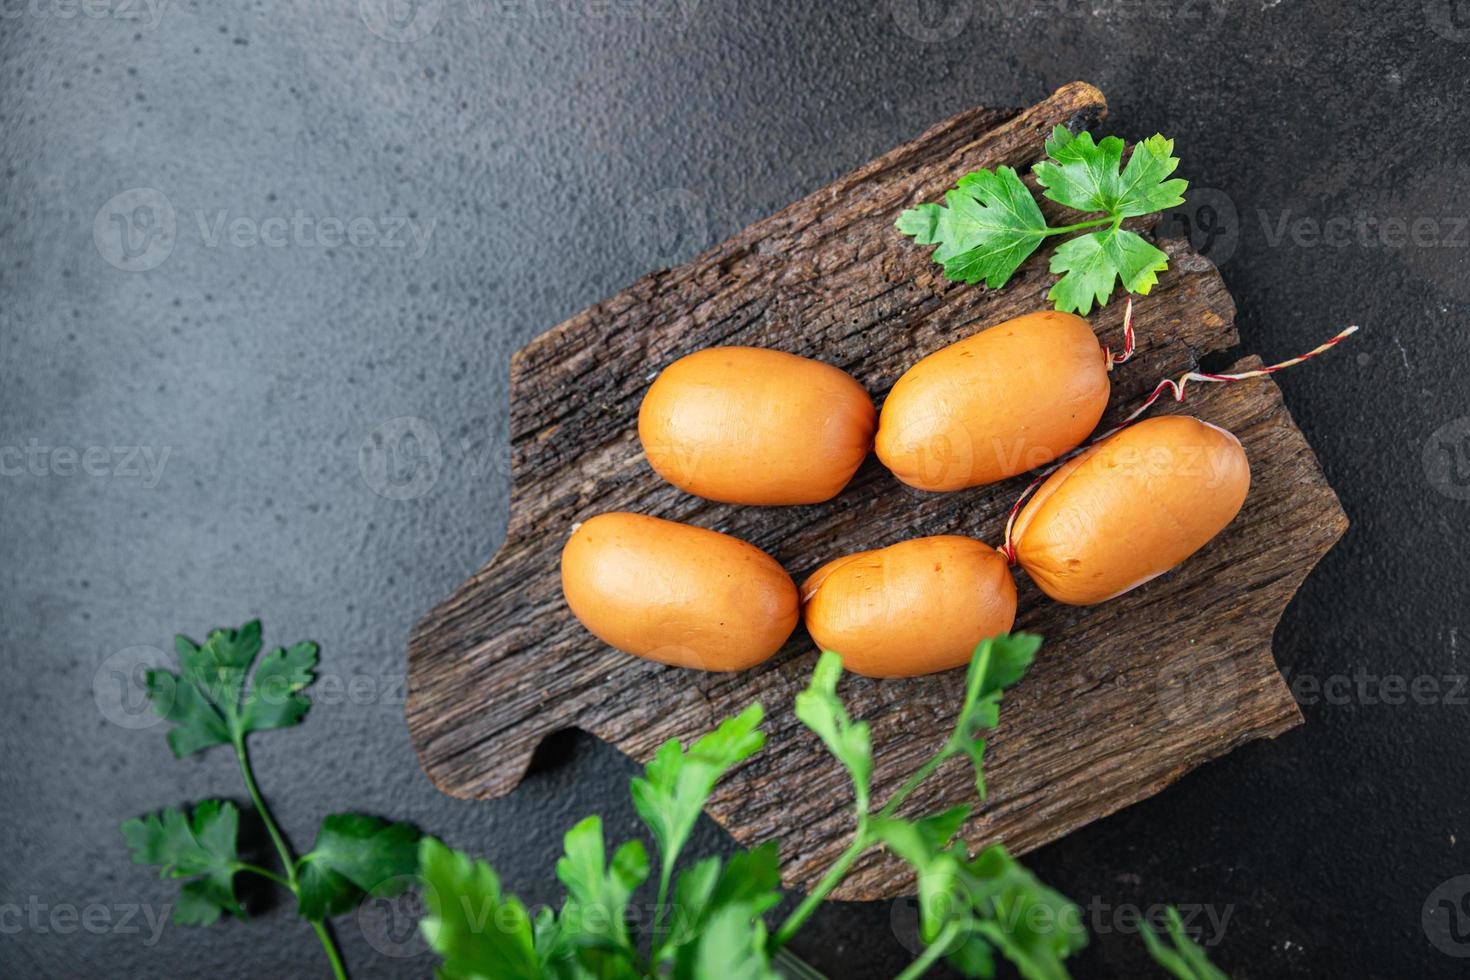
[201, 848]
[906, 841]
[1144, 189]
[990, 226]
[477, 930]
[996, 664]
[732, 946]
[207, 699]
[274, 699]
[987, 905]
[992, 222]
[671, 794]
[750, 880]
[938, 829]
[354, 856]
[1187, 960]
[1085, 175]
[1092, 263]
[550, 944]
[596, 910]
[1034, 927]
[984, 906]
[820, 709]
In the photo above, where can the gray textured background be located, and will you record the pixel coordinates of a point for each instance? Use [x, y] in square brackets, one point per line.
[552, 152]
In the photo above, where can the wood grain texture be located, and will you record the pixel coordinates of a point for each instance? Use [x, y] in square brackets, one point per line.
[1126, 696]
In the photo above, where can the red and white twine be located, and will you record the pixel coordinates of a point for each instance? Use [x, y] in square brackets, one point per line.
[1112, 359]
[1177, 388]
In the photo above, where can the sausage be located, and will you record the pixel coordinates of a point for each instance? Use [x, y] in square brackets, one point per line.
[1007, 400]
[677, 594]
[1130, 508]
[746, 425]
[912, 608]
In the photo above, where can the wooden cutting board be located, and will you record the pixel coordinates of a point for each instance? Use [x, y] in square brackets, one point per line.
[1125, 697]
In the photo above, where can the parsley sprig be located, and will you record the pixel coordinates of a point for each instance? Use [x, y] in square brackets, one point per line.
[709, 919]
[990, 222]
[717, 931]
[1186, 958]
[967, 905]
[216, 699]
[974, 910]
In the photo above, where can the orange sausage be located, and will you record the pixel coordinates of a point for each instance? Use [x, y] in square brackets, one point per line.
[746, 425]
[912, 608]
[1007, 400]
[677, 594]
[1130, 508]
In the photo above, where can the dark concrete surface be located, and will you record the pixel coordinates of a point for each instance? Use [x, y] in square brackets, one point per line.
[240, 393]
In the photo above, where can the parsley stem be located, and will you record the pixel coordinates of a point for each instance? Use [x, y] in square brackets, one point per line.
[860, 843]
[665, 873]
[1093, 223]
[931, 953]
[338, 970]
[256, 869]
[912, 783]
[284, 850]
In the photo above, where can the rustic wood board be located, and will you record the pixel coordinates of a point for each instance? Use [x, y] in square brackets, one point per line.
[1126, 696]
